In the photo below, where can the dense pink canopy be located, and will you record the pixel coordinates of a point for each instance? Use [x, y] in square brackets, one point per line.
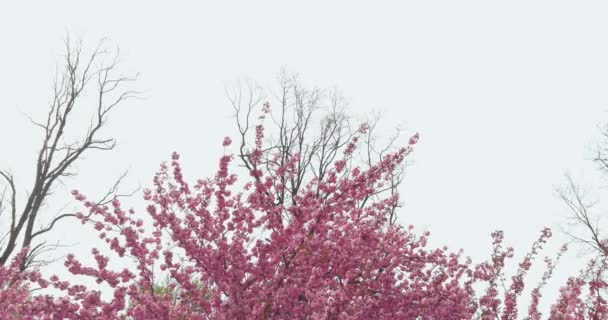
[231, 252]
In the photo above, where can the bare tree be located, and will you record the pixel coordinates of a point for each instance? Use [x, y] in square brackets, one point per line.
[583, 210]
[580, 208]
[79, 72]
[310, 126]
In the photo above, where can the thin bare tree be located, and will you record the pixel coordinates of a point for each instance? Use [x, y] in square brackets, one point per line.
[94, 73]
[584, 211]
[310, 125]
[581, 216]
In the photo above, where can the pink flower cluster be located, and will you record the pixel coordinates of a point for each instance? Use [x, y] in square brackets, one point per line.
[233, 252]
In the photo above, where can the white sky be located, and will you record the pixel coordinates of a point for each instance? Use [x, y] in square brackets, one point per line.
[507, 96]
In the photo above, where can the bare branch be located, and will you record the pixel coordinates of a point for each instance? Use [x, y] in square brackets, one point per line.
[308, 129]
[56, 158]
[574, 199]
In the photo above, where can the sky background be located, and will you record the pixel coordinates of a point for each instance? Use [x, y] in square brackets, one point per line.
[507, 96]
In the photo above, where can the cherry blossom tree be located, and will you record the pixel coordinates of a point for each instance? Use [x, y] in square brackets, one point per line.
[233, 252]
[273, 242]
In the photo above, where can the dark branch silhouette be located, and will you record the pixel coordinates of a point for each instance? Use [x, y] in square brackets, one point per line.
[310, 125]
[583, 211]
[79, 72]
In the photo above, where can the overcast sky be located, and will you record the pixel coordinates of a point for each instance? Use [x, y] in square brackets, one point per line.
[507, 96]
